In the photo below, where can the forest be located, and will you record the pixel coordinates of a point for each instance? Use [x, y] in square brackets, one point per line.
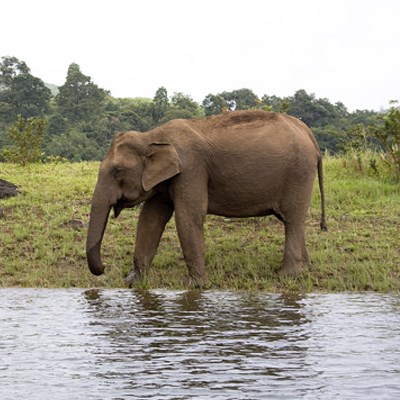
[77, 120]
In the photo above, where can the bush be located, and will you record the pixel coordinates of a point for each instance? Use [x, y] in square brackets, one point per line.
[375, 148]
[388, 132]
[27, 138]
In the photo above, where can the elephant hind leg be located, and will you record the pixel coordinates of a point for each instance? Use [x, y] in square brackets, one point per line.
[304, 253]
[294, 211]
[295, 252]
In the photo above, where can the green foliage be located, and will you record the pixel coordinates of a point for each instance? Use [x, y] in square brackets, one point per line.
[181, 106]
[275, 103]
[181, 101]
[376, 146]
[244, 99]
[30, 96]
[315, 112]
[20, 92]
[241, 99]
[214, 104]
[79, 98]
[80, 126]
[10, 67]
[57, 124]
[27, 137]
[74, 145]
[130, 114]
[388, 132]
[355, 139]
[160, 104]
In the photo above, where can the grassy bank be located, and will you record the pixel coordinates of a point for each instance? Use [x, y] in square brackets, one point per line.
[42, 237]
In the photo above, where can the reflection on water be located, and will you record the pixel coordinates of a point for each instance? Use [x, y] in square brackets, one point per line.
[121, 344]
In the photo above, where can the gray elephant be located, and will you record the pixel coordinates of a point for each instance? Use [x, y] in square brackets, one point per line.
[237, 164]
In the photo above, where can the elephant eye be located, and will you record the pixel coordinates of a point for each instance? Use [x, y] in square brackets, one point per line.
[118, 173]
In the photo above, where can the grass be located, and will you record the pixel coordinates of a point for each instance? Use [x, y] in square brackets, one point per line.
[41, 247]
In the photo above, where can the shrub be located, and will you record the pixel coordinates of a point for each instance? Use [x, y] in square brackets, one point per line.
[27, 137]
[388, 132]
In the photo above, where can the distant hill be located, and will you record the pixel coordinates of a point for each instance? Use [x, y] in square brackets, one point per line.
[53, 88]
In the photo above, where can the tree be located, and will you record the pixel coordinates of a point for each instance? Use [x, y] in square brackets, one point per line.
[275, 103]
[10, 67]
[214, 104]
[74, 145]
[30, 96]
[316, 112]
[135, 114]
[242, 99]
[160, 104]
[79, 98]
[27, 137]
[182, 106]
[388, 132]
[20, 92]
[57, 124]
[366, 117]
[302, 106]
[245, 99]
[182, 101]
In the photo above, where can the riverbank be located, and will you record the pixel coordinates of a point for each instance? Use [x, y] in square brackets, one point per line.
[43, 233]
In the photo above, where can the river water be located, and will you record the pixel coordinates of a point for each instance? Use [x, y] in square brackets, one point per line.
[125, 344]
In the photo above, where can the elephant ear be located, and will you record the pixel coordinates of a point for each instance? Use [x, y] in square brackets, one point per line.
[162, 163]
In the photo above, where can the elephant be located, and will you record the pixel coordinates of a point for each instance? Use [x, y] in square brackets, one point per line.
[235, 164]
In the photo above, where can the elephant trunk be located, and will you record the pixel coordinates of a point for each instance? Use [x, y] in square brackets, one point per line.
[97, 224]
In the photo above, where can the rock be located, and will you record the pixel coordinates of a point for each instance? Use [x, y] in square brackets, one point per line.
[7, 189]
[76, 224]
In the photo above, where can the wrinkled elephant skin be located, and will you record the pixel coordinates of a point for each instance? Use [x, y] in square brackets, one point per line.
[237, 164]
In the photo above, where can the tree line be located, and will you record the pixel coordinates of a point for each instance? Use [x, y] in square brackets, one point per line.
[77, 120]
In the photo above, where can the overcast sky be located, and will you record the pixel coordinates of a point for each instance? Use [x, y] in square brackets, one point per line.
[343, 50]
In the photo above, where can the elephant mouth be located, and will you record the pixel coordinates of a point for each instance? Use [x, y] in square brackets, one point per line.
[121, 204]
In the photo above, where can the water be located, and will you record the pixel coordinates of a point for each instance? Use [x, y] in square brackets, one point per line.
[124, 344]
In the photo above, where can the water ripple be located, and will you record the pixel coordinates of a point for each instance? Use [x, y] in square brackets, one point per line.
[121, 344]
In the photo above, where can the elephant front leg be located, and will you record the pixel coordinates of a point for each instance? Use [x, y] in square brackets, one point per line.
[191, 235]
[153, 217]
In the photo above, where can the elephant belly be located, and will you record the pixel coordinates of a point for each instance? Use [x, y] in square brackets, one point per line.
[243, 200]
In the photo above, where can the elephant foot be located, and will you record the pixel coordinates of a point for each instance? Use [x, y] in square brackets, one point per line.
[197, 283]
[133, 277]
[291, 271]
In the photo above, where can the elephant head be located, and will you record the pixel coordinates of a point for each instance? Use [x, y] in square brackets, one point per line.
[129, 174]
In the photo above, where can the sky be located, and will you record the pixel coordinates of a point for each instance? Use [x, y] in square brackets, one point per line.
[341, 50]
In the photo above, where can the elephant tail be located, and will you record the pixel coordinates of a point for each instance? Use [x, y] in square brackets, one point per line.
[323, 224]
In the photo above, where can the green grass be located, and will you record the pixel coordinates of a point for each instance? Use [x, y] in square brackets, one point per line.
[361, 251]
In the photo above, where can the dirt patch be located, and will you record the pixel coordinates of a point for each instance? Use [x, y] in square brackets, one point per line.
[229, 119]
